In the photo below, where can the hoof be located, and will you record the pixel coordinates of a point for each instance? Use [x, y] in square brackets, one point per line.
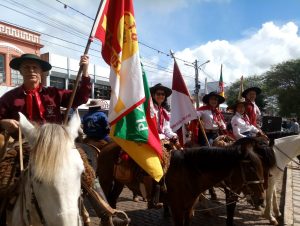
[274, 221]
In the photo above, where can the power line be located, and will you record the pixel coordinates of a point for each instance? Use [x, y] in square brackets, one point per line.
[99, 56]
[52, 36]
[56, 22]
[39, 20]
[68, 6]
[144, 44]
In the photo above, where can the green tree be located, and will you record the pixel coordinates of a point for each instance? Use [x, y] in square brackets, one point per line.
[283, 82]
[233, 90]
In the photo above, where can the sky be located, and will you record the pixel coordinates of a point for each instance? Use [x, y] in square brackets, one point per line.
[246, 36]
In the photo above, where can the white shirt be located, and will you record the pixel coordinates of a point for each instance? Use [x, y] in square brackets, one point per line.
[208, 122]
[239, 126]
[167, 132]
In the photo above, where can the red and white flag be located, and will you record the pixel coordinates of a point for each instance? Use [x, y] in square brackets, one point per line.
[182, 108]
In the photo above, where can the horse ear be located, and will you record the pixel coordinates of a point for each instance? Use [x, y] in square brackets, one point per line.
[74, 124]
[27, 128]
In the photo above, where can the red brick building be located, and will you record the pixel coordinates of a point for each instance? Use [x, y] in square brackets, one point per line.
[15, 41]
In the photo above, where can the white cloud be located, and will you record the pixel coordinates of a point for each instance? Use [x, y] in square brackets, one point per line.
[253, 55]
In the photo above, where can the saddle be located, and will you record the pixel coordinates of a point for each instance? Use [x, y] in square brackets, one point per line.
[126, 170]
[223, 141]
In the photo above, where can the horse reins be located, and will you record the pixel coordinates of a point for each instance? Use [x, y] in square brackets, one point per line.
[282, 152]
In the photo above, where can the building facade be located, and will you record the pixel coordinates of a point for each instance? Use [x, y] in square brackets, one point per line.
[14, 41]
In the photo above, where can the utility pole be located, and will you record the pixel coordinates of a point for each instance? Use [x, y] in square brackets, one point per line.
[197, 84]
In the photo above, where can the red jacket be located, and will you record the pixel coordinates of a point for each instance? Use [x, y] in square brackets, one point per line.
[52, 98]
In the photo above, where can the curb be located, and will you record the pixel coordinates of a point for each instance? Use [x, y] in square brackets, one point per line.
[288, 217]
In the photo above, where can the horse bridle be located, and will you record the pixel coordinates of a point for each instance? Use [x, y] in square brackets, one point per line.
[246, 183]
[34, 200]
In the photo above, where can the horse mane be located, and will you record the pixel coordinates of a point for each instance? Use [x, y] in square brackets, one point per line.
[207, 158]
[50, 151]
[262, 148]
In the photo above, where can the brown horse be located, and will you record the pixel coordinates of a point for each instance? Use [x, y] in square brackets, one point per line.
[266, 154]
[194, 170]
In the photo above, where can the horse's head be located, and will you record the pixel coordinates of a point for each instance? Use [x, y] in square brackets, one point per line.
[55, 169]
[250, 177]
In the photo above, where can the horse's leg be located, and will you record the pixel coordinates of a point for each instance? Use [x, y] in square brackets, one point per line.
[269, 201]
[275, 204]
[231, 200]
[115, 193]
[2, 212]
[188, 216]
[177, 215]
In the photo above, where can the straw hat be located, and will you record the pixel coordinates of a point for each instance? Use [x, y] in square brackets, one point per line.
[239, 101]
[95, 104]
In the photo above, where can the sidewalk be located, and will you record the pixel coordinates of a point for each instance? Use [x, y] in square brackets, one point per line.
[292, 196]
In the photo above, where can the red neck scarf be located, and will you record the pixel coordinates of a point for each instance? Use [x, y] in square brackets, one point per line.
[30, 94]
[246, 118]
[162, 116]
[217, 115]
[250, 111]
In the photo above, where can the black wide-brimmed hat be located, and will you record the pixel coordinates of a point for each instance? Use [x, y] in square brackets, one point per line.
[255, 89]
[16, 62]
[206, 97]
[159, 86]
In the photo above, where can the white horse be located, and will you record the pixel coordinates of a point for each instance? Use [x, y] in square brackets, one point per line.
[50, 189]
[285, 150]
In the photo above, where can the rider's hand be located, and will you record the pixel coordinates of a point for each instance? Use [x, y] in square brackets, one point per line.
[10, 125]
[84, 62]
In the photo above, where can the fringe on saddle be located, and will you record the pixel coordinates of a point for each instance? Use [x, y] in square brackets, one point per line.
[10, 169]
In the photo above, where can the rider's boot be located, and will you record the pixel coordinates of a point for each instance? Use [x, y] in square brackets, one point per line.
[102, 208]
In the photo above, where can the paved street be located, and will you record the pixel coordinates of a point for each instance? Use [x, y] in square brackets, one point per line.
[140, 216]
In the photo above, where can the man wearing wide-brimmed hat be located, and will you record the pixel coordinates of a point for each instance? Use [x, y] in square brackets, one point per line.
[42, 104]
[38, 103]
[252, 109]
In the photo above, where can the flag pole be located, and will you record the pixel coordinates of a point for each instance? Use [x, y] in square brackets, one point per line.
[87, 47]
[199, 120]
[241, 88]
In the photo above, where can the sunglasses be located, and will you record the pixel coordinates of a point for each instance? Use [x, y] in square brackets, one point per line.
[160, 94]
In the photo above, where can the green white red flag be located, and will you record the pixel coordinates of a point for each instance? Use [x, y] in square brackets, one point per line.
[133, 126]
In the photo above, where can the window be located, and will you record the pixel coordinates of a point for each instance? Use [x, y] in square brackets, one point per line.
[2, 69]
[57, 82]
[102, 92]
[16, 78]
